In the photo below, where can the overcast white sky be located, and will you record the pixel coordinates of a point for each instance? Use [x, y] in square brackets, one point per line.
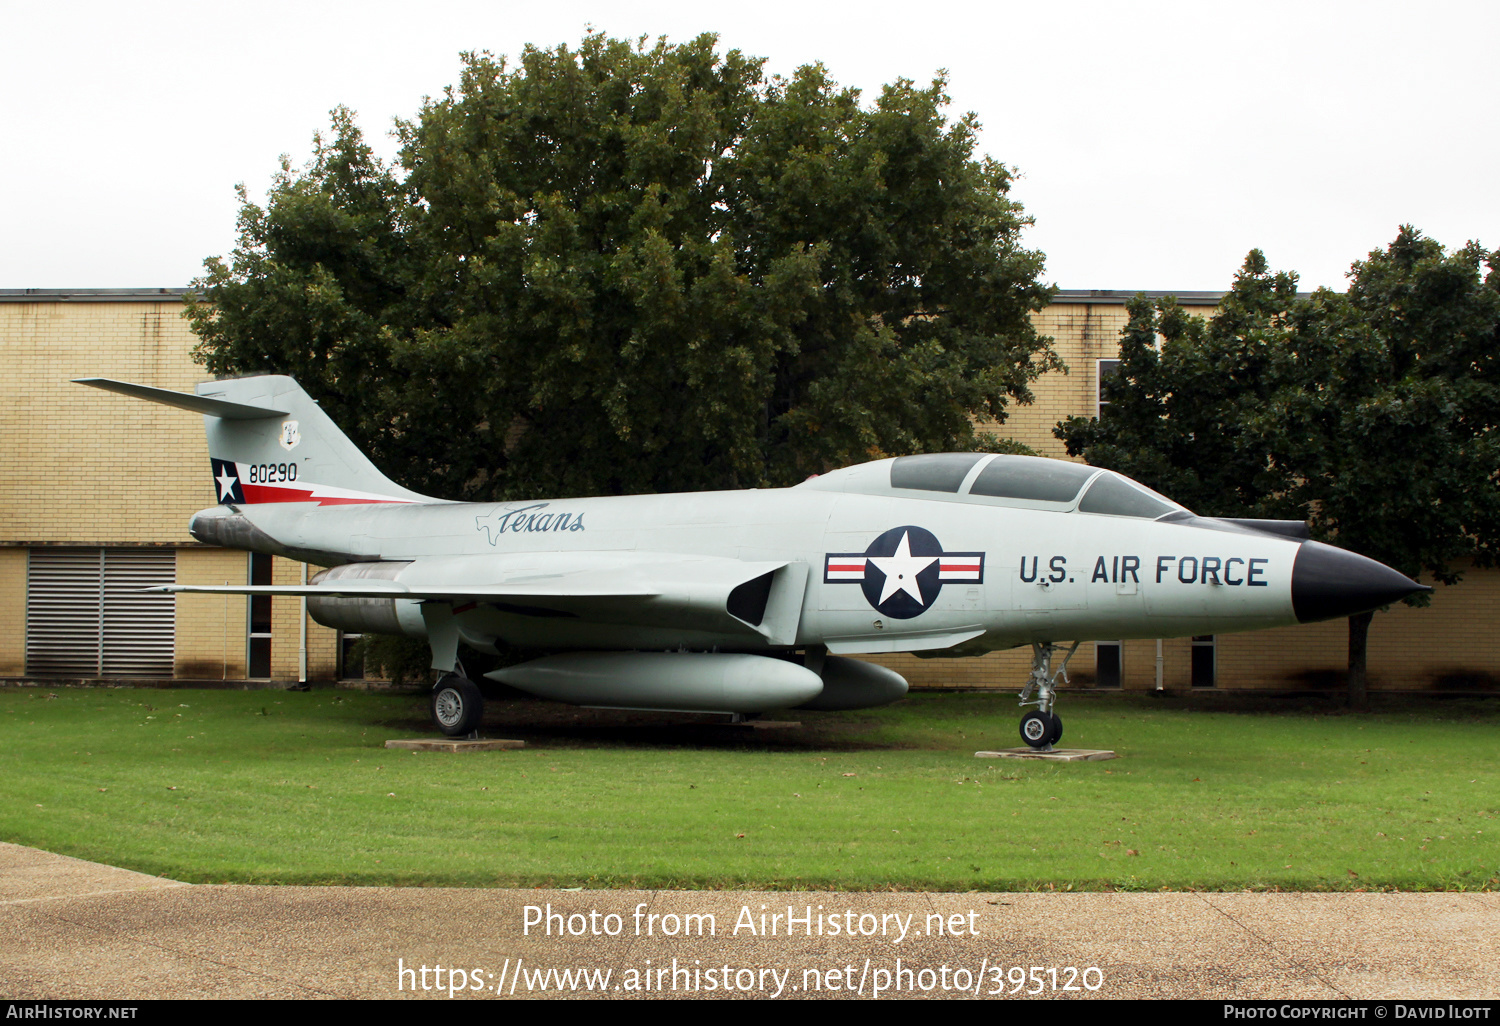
[1156, 142]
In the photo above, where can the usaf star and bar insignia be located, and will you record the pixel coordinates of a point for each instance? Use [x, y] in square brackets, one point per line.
[903, 571]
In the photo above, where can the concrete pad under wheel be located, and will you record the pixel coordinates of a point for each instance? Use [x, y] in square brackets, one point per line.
[428, 744]
[1056, 755]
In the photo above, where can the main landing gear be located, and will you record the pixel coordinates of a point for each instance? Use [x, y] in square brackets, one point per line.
[457, 705]
[1042, 728]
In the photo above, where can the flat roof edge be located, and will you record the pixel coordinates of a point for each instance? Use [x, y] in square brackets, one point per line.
[173, 295]
[1122, 296]
[170, 295]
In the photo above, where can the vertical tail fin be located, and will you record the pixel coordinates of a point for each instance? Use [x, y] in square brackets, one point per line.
[268, 441]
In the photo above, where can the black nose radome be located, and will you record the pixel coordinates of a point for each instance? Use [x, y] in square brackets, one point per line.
[1328, 582]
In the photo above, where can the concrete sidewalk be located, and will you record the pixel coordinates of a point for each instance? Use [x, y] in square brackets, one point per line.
[73, 929]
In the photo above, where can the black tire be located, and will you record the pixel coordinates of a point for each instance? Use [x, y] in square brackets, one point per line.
[1036, 728]
[1056, 733]
[457, 706]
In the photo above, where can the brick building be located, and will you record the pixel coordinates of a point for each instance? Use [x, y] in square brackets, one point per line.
[96, 491]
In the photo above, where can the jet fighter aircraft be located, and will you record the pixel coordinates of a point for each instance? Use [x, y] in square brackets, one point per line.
[740, 602]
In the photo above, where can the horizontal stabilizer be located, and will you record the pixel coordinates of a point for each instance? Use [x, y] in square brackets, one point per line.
[221, 408]
[394, 590]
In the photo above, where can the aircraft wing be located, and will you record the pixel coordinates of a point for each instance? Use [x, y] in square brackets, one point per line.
[643, 589]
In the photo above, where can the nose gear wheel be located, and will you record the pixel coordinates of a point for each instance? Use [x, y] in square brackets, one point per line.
[1041, 730]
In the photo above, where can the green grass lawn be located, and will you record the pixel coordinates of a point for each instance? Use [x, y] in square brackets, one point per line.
[284, 787]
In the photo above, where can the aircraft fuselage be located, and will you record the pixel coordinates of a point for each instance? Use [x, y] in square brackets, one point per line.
[1003, 576]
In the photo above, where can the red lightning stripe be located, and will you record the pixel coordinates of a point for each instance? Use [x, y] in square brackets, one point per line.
[255, 493]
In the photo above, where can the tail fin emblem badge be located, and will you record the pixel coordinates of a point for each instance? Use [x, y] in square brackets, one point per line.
[290, 436]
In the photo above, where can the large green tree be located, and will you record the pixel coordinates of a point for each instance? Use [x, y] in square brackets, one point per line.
[630, 267]
[1181, 406]
[1374, 414]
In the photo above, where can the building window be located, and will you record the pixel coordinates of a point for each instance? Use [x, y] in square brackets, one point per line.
[351, 663]
[88, 616]
[1203, 661]
[258, 636]
[1109, 664]
[1106, 371]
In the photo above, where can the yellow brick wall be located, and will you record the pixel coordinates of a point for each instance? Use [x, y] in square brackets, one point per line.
[84, 467]
[285, 639]
[1455, 640]
[322, 648]
[12, 612]
[995, 670]
[1459, 634]
[210, 628]
[1082, 333]
[81, 466]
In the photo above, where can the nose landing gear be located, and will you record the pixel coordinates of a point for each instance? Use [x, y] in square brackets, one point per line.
[1042, 728]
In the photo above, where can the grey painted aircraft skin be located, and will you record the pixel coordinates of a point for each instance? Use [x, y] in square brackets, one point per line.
[744, 601]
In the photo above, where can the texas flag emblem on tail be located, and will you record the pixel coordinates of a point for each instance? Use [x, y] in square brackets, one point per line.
[227, 481]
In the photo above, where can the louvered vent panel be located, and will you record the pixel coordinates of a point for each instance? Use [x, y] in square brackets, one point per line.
[62, 612]
[87, 617]
[138, 627]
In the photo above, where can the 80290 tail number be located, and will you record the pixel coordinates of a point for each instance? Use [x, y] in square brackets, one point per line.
[271, 473]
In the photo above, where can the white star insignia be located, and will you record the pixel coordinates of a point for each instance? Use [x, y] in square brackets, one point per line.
[226, 484]
[901, 571]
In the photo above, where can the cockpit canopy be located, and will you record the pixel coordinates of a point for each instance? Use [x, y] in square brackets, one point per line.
[989, 479]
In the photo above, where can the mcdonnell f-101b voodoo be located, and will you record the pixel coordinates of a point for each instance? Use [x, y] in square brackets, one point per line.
[744, 601]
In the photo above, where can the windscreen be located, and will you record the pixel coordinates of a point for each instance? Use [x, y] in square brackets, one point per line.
[1116, 496]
